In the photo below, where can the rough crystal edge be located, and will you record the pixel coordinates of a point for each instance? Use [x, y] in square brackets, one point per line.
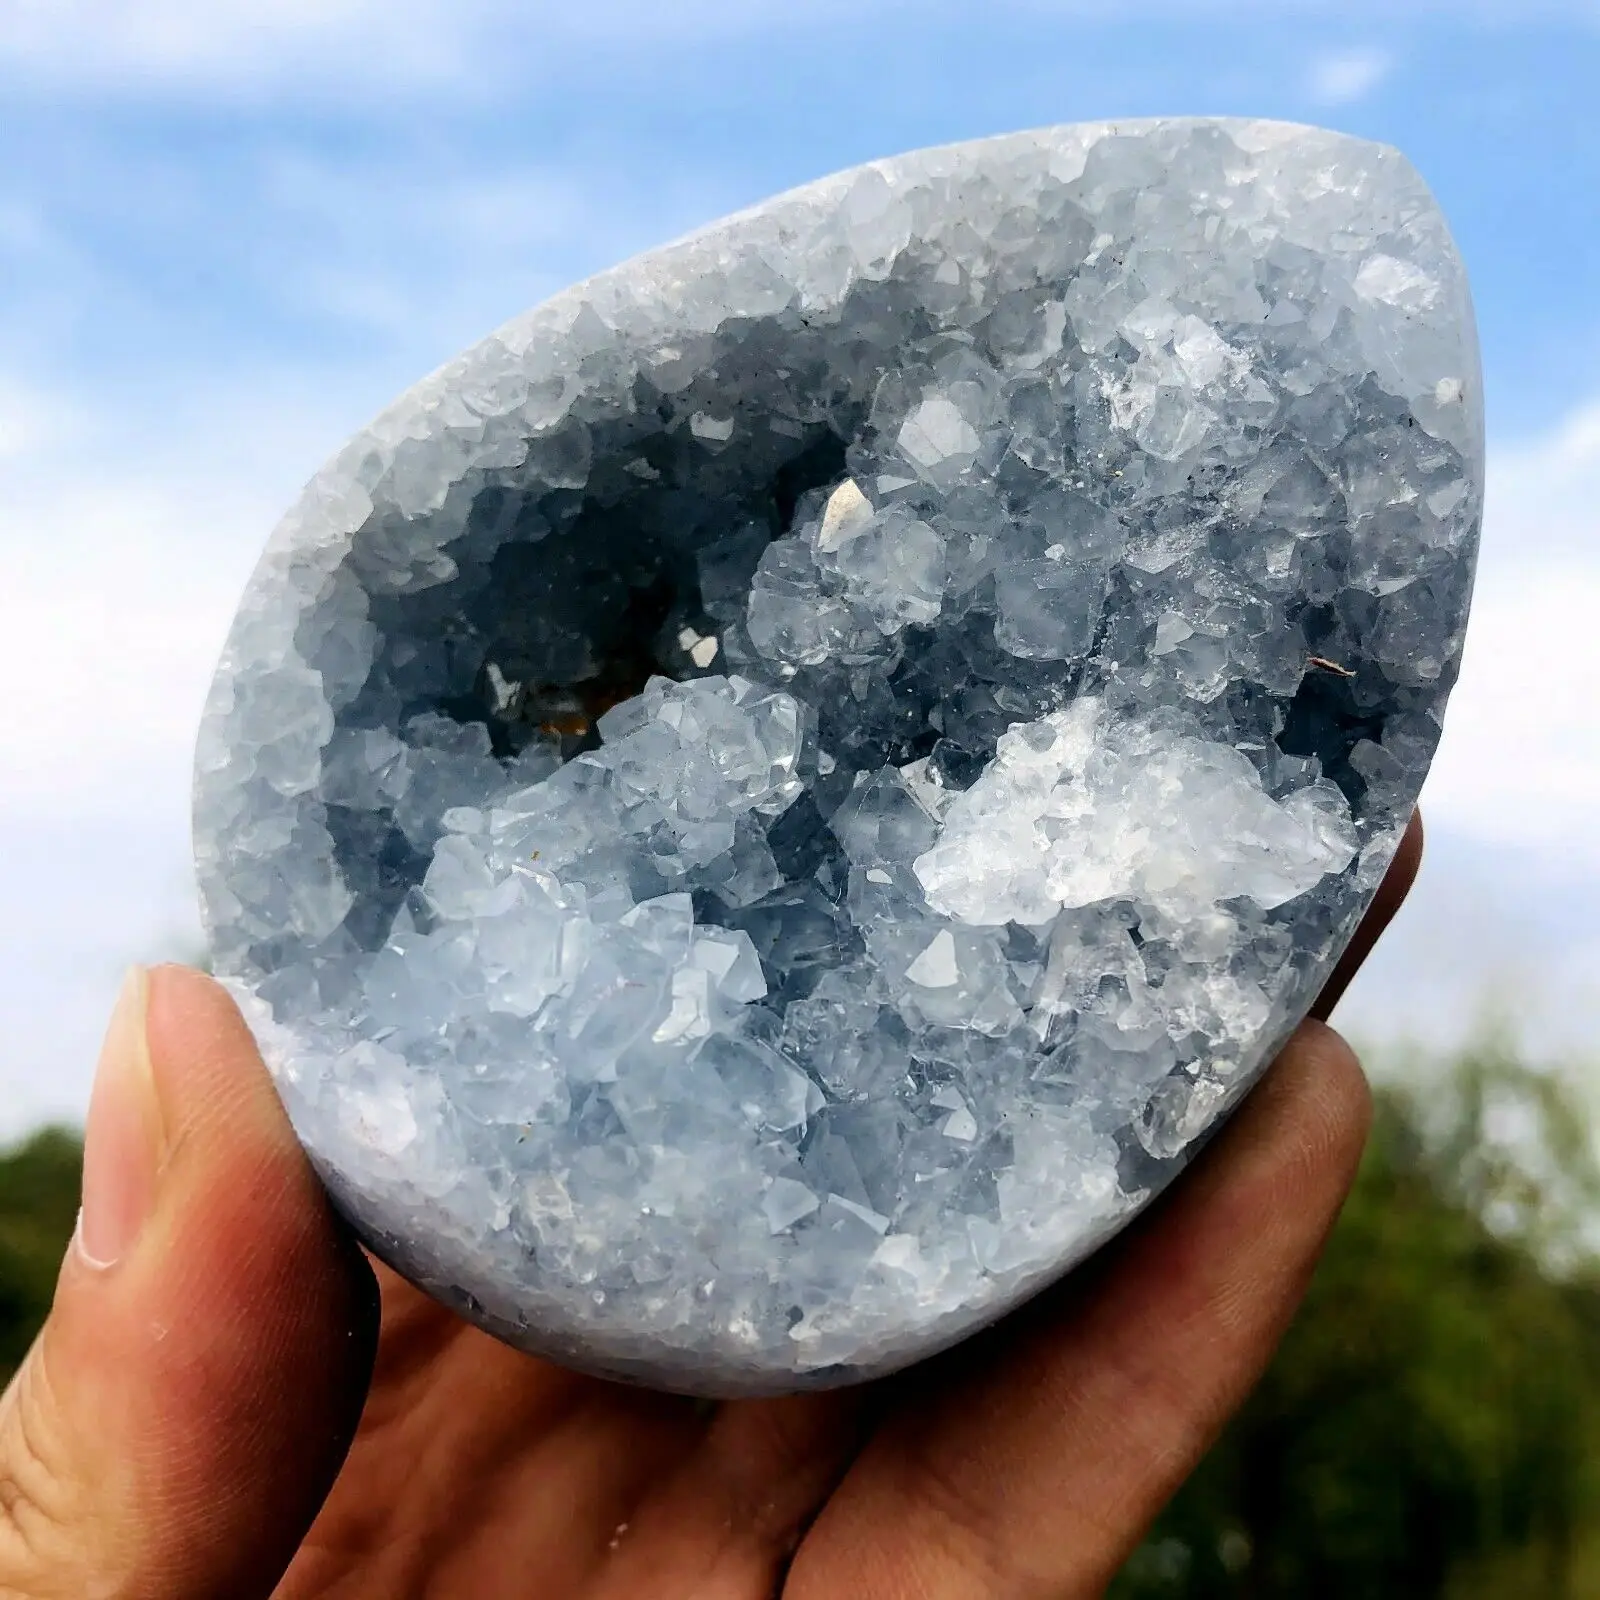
[314, 534]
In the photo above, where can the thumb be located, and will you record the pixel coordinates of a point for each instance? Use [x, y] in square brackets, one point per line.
[178, 1422]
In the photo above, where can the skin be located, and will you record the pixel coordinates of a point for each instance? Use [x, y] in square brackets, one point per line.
[243, 1406]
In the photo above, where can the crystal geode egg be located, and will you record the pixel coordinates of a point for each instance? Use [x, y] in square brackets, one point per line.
[761, 813]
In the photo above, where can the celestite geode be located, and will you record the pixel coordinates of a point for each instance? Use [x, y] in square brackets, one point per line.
[761, 813]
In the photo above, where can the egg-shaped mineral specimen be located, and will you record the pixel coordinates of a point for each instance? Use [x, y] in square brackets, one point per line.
[759, 814]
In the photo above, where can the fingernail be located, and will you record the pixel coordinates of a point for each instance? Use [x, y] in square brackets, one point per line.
[122, 1146]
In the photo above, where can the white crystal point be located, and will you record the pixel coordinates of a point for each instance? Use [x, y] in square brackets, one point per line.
[761, 813]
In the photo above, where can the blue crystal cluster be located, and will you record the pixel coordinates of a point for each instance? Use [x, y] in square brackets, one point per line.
[760, 814]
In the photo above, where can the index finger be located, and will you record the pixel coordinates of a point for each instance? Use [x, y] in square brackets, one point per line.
[1391, 896]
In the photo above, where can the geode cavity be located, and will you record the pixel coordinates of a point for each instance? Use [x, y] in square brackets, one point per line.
[760, 813]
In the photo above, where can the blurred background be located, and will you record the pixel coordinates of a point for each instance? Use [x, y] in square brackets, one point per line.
[232, 230]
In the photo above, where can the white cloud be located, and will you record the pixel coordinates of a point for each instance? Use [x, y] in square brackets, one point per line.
[164, 39]
[113, 613]
[122, 570]
[125, 548]
[357, 47]
[1489, 933]
[1548, 493]
[1339, 80]
[29, 417]
[372, 48]
[1502, 919]
[424, 256]
[1520, 761]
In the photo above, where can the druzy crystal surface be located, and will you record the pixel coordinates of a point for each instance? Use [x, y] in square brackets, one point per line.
[759, 814]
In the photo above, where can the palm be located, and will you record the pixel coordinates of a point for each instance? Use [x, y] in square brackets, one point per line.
[1027, 1462]
[480, 1472]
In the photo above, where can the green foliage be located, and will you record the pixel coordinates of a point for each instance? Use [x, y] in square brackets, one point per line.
[1431, 1426]
[38, 1204]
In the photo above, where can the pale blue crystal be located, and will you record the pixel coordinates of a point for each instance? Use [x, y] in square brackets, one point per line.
[762, 812]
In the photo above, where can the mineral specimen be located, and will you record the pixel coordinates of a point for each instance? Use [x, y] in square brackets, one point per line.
[761, 813]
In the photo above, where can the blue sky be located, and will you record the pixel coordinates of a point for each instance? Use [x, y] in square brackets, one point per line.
[229, 232]
[367, 193]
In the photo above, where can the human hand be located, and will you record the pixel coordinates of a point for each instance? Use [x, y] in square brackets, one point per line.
[228, 1401]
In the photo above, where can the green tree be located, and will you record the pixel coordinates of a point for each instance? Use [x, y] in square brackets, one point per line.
[38, 1204]
[1430, 1426]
